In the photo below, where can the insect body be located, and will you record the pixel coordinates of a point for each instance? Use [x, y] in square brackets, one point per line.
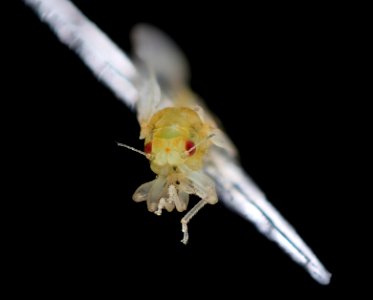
[176, 142]
[178, 133]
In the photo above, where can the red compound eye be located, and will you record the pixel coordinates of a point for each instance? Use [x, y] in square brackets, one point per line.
[189, 145]
[148, 148]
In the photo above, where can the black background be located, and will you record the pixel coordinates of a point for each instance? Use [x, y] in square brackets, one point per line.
[272, 77]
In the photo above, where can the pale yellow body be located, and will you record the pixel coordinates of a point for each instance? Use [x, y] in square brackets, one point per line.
[176, 143]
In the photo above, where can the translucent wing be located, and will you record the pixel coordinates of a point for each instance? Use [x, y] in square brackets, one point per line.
[162, 55]
[101, 55]
[241, 194]
[112, 66]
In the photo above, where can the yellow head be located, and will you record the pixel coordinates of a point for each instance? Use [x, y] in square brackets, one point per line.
[176, 136]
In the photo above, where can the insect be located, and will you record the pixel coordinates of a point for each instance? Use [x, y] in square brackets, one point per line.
[177, 132]
[185, 147]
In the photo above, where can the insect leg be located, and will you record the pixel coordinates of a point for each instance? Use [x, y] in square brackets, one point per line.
[185, 220]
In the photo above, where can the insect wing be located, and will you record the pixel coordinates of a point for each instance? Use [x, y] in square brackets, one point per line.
[238, 192]
[101, 55]
[161, 55]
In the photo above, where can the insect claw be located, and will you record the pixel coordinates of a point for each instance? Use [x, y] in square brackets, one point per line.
[184, 229]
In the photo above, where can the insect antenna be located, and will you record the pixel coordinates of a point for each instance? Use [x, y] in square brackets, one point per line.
[134, 149]
[187, 152]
